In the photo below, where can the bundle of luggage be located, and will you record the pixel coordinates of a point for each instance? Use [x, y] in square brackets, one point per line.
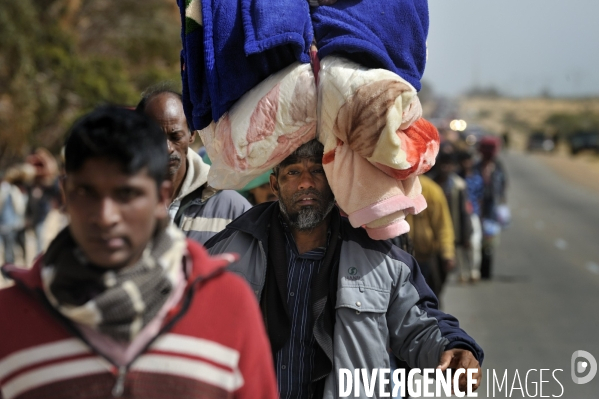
[262, 77]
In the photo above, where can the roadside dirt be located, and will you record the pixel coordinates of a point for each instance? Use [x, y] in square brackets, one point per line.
[582, 169]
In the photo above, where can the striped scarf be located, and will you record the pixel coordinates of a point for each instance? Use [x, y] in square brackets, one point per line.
[118, 303]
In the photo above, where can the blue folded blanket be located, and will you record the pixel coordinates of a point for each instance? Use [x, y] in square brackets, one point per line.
[230, 46]
[195, 99]
[235, 44]
[388, 34]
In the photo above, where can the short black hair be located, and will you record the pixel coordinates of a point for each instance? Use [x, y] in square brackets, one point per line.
[313, 149]
[123, 135]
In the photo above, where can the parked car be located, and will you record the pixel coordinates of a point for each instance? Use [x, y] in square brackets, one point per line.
[583, 140]
[539, 141]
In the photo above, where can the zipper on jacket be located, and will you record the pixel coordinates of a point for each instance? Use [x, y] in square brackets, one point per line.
[119, 386]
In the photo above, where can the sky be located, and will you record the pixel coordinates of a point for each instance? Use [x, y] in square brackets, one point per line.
[520, 47]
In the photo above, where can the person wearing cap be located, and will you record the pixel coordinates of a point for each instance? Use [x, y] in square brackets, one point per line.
[196, 208]
[258, 191]
[331, 297]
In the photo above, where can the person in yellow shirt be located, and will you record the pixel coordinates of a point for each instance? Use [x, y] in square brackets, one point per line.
[432, 234]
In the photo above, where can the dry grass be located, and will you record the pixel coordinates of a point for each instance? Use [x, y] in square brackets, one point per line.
[520, 116]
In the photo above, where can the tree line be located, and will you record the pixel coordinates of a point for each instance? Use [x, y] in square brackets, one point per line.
[61, 58]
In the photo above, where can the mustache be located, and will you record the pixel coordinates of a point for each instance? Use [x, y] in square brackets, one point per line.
[174, 157]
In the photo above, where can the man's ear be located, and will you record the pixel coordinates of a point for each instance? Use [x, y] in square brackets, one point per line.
[192, 136]
[274, 184]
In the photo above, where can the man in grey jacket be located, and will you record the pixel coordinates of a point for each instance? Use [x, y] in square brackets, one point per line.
[198, 209]
[331, 297]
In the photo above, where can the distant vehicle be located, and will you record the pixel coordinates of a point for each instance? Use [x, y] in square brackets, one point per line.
[583, 140]
[539, 141]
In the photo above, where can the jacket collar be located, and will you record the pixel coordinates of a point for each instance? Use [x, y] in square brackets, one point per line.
[256, 221]
[30, 279]
[196, 175]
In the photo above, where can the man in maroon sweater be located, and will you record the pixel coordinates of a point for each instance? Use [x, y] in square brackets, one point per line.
[121, 304]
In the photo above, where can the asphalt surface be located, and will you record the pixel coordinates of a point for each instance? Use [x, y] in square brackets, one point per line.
[542, 304]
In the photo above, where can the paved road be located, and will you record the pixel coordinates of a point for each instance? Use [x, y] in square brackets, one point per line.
[543, 303]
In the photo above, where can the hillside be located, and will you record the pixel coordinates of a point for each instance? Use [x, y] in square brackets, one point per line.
[521, 116]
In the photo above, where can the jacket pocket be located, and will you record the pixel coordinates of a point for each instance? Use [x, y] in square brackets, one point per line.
[362, 299]
[361, 332]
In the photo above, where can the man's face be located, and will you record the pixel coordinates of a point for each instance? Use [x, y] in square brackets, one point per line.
[304, 193]
[113, 215]
[166, 110]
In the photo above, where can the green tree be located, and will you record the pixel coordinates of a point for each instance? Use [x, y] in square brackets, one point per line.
[60, 58]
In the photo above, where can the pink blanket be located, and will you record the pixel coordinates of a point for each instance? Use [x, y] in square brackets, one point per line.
[370, 198]
[266, 125]
[378, 114]
[376, 143]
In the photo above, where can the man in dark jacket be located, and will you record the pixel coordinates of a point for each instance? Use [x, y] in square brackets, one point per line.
[331, 297]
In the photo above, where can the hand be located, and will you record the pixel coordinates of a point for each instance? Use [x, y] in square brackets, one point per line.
[461, 358]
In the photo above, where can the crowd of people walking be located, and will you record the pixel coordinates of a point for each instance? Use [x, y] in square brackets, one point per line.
[134, 202]
[466, 210]
[28, 192]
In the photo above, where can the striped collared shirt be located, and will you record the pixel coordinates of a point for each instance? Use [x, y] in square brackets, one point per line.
[295, 360]
[203, 218]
